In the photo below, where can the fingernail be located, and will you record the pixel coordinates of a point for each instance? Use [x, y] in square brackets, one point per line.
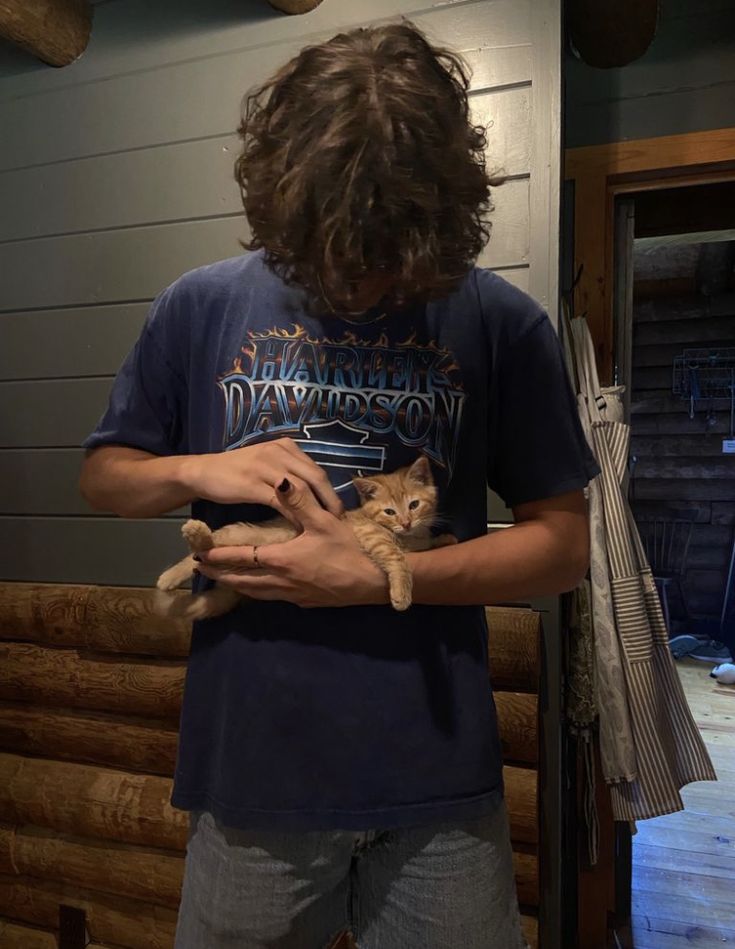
[284, 485]
[197, 558]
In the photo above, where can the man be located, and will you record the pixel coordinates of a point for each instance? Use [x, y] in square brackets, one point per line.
[341, 759]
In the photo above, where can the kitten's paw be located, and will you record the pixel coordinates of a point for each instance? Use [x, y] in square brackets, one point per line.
[445, 540]
[400, 594]
[170, 579]
[197, 535]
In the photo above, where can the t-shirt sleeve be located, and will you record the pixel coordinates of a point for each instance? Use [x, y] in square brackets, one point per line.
[145, 404]
[537, 446]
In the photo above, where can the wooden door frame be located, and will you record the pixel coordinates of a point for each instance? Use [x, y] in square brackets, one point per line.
[602, 172]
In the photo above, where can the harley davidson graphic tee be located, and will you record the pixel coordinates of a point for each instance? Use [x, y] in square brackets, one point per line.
[351, 717]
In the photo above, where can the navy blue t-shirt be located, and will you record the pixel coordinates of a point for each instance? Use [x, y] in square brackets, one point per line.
[353, 717]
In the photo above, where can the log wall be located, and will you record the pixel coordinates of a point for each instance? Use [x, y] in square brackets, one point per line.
[90, 692]
[681, 470]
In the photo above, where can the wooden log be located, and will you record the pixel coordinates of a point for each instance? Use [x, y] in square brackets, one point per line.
[663, 400]
[703, 446]
[144, 873]
[16, 936]
[680, 424]
[662, 354]
[530, 930]
[525, 868]
[705, 604]
[513, 648]
[55, 31]
[113, 741]
[48, 676]
[684, 467]
[110, 919]
[88, 801]
[679, 308]
[517, 724]
[107, 619]
[672, 489]
[723, 512]
[113, 805]
[295, 6]
[714, 556]
[521, 785]
[148, 874]
[706, 581]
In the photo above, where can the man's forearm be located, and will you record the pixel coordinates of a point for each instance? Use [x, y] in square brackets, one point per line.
[514, 563]
[134, 483]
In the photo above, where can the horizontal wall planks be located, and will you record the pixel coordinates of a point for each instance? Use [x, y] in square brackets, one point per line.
[113, 266]
[87, 341]
[136, 263]
[201, 96]
[194, 179]
[88, 550]
[177, 31]
[53, 413]
[45, 481]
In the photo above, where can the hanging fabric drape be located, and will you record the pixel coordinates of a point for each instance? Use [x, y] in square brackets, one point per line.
[649, 743]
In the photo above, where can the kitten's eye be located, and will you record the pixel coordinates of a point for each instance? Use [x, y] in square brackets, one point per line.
[389, 510]
[413, 505]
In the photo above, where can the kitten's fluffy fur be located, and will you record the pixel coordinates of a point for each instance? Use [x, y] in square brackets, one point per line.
[396, 513]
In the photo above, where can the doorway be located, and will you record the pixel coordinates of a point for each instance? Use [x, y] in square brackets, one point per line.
[674, 351]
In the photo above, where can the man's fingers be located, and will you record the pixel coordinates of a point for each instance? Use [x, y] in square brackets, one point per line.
[320, 484]
[236, 558]
[299, 503]
[309, 471]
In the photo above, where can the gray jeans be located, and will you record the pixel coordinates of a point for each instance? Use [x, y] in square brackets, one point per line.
[439, 886]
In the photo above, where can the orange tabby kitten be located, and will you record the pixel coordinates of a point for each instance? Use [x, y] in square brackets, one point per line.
[395, 514]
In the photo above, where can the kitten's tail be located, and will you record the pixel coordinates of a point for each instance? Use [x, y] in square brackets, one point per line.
[214, 602]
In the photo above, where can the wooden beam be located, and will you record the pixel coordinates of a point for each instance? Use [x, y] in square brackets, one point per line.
[295, 6]
[55, 31]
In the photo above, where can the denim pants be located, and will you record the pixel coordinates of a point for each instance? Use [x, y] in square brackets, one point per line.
[439, 886]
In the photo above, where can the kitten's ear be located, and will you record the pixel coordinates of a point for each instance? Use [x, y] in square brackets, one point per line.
[420, 471]
[366, 488]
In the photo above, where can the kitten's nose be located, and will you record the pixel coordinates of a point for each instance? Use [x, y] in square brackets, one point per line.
[405, 525]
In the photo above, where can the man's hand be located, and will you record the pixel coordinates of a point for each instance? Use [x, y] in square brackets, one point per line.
[250, 475]
[323, 566]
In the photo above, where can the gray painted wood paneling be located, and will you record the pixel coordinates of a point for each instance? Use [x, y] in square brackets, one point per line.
[45, 481]
[88, 341]
[136, 262]
[182, 30]
[685, 82]
[88, 549]
[201, 97]
[192, 179]
[50, 413]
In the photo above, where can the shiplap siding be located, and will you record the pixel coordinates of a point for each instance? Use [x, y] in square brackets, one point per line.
[685, 82]
[116, 177]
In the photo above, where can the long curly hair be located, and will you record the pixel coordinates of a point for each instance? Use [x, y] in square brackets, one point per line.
[358, 159]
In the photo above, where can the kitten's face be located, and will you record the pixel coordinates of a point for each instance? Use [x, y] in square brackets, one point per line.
[402, 501]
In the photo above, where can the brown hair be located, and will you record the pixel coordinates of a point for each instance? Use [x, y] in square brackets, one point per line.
[359, 158]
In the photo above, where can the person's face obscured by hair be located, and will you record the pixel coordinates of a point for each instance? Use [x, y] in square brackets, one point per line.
[361, 174]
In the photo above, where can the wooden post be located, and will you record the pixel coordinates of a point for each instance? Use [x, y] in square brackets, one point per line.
[55, 31]
[295, 6]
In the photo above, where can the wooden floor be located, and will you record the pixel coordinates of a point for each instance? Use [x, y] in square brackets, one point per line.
[684, 863]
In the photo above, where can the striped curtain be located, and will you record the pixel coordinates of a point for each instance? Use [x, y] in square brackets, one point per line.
[650, 746]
